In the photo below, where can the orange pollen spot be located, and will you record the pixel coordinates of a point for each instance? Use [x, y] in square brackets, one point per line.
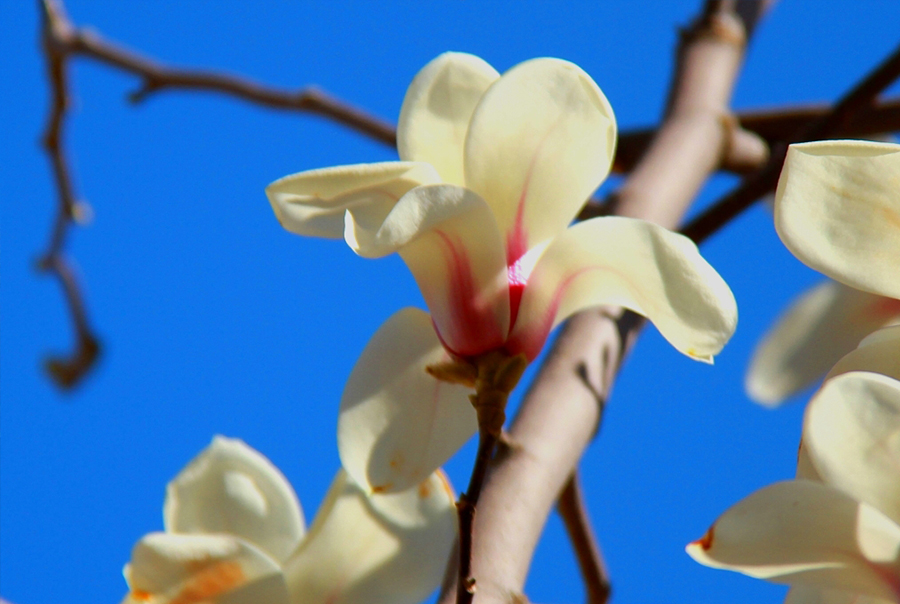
[706, 540]
[140, 594]
[396, 460]
[210, 582]
[445, 483]
[382, 488]
[424, 491]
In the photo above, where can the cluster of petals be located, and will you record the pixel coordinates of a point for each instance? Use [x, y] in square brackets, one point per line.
[235, 534]
[493, 170]
[834, 531]
[837, 208]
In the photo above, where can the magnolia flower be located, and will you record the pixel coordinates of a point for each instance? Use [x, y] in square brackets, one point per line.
[837, 208]
[493, 171]
[834, 532]
[234, 533]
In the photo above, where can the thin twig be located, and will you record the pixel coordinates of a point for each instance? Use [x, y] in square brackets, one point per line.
[857, 101]
[66, 371]
[157, 77]
[587, 550]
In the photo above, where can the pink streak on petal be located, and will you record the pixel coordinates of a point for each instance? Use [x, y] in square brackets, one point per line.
[532, 339]
[516, 247]
[890, 578]
[474, 327]
[517, 239]
[885, 307]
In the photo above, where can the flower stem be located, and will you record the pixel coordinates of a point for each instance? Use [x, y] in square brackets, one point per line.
[497, 375]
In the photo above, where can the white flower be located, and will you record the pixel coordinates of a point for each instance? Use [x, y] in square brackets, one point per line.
[834, 533]
[494, 171]
[235, 534]
[837, 208]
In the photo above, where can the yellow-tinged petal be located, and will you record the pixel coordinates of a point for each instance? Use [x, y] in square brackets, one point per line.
[837, 208]
[436, 111]
[852, 434]
[169, 568]
[397, 423]
[232, 488]
[879, 352]
[805, 468]
[449, 240]
[806, 533]
[314, 202]
[378, 549]
[802, 594]
[630, 263]
[541, 140]
[818, 329]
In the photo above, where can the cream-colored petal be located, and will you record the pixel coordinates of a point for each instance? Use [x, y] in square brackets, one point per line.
[449, 240]
[852, 433]
[879, 352]
[630, 263]
[167, 568]
[232, 488]
[806, 533]
[313, 203]
[541, 140]
[436, 111]
[837, 208]
[382, 549]
[397, 423]
[802, 594]
[818, 329]
[805, 468]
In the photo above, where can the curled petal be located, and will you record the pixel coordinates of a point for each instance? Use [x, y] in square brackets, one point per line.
[313, 203]
[635, 264]
[837, 208]
[541, 140]
[852, 433]
[167, 568]
[823, 325]
[231, 488]
[436, 111]
[806, 533]
[382, 549]
[879, 352]
[397, 423]
[449, 240]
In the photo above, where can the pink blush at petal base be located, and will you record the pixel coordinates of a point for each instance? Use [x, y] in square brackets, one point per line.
[473, 327]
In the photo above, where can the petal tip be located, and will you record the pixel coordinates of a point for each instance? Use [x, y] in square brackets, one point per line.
[703, 358]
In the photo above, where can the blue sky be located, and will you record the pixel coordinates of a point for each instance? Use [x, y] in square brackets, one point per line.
[216, 321]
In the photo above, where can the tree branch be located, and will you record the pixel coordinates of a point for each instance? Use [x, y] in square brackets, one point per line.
[857, 101]
[66, 371]
[561, 411]
[156, 77]
[578, 524]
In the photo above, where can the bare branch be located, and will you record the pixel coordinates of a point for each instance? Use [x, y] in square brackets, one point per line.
[837, 120]
[578, 524]
[66, 371]
[156, 77]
